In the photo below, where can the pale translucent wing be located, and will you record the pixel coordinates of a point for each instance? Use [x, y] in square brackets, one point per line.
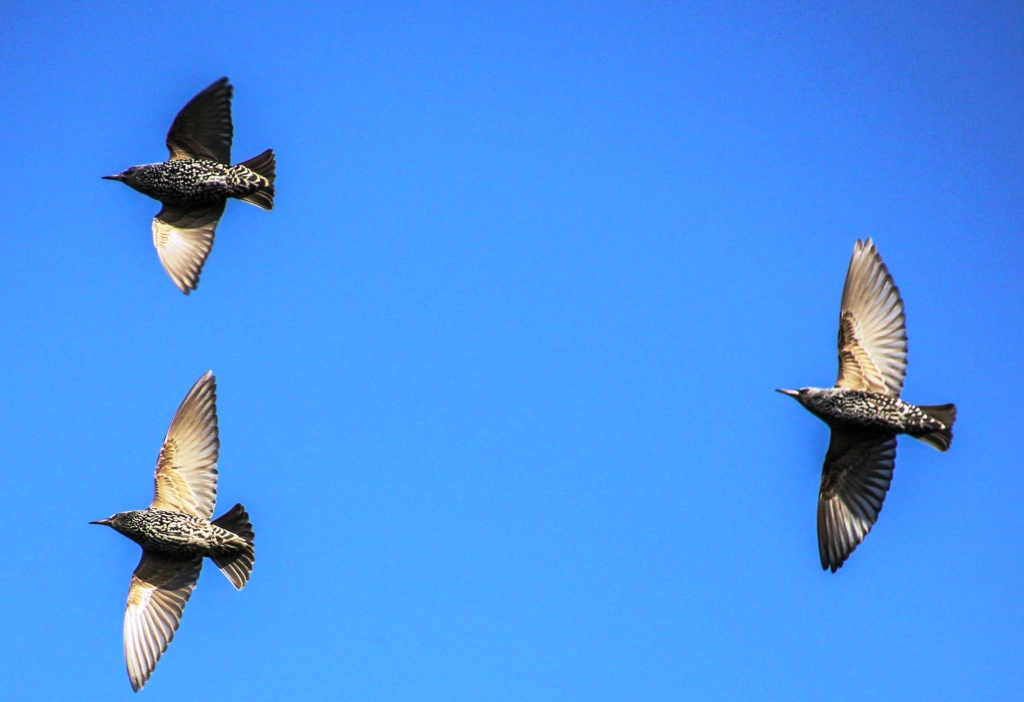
[186, 471]
[854, 481]
[156, 600]
[872, 327]
[203, 127]
[183, 239]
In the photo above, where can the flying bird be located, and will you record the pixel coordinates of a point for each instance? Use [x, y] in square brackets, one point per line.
[864, 409]
[195, 184]
[175, 533]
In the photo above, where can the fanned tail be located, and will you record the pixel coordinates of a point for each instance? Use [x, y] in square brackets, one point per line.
[263, 165]
[941, 438]
[237, 566]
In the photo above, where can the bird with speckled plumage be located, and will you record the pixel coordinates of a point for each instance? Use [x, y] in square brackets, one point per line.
[864, 409]
[176, 532]
[195, 184]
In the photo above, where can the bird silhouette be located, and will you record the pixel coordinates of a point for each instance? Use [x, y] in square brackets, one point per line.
[864, 409]
[195, 184]
[176, 532]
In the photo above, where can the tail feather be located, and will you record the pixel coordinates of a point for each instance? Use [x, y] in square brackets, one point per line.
[941, 438]
[236, 520]
[264, 165]
[237, 566]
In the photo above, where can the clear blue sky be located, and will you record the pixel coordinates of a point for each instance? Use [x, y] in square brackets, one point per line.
[496, 375]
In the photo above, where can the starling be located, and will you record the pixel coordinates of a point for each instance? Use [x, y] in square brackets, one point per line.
[196, 182]
[175, 533]
[864, 409]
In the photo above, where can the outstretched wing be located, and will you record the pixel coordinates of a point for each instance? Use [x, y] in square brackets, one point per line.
[203, 127]
[156, 600]
[854, 480]
[872, 327]
[183, 239]
[186, 471]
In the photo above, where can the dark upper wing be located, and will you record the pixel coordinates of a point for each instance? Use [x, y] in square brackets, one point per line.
[183, 239]
[872, 330]
[854, 480]
[203, 127]
[156, 600]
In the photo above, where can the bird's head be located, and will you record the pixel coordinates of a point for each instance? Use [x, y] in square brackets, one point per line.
[803, 395]
[113, 521]
[128, 177]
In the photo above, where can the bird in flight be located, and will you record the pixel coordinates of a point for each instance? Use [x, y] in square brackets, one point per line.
[195, 184]
[175, 533]
[864, 409]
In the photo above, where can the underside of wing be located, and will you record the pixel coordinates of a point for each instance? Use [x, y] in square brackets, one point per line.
[186, 471]
[183, 239]
[203, 127]
[156, 600]
[854, 481]
[872, 327]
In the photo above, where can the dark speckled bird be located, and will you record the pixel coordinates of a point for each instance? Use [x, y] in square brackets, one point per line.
[864, 409]
[176, 533]
[195, 184]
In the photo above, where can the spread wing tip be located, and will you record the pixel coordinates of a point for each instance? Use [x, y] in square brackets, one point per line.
[186, 470]
[872, 326]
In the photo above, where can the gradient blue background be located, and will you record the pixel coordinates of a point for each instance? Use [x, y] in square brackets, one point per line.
[496, 375]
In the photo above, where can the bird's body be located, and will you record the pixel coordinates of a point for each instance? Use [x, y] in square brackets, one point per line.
[176, 532]
[864, 409]
[177, 535]
[195, 184]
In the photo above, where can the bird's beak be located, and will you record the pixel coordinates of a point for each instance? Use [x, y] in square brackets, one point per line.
[791, 393]
[113, 177]
[104, 522]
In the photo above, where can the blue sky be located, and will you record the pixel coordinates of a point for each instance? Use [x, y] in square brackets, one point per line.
[496, 375]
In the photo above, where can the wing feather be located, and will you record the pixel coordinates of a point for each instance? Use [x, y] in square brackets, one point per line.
[203, 127]
[183, 239]
[854, 481]
[186, 470]
[157, 596]
[872, 326]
